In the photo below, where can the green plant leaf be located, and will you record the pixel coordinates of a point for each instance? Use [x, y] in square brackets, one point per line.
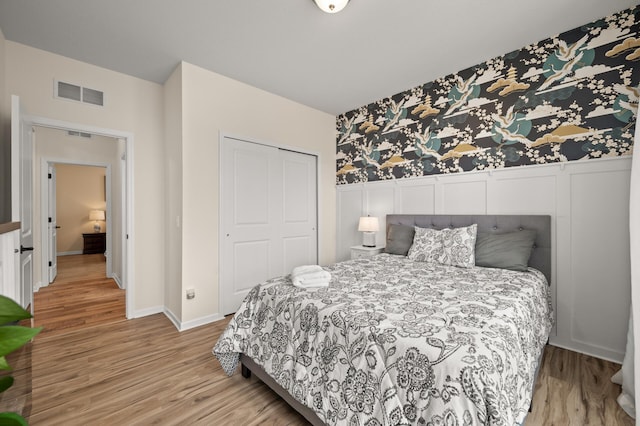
[12, 419]
[10, 311]
[5, 383]
[14, 336]
[4, 365]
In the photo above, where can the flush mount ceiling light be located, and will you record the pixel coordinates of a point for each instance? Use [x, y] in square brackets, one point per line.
[331, 6]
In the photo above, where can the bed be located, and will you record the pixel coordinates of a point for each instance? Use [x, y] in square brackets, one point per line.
[398, 341]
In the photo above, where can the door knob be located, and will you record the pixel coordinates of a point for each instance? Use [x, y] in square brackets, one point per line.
[23, 249]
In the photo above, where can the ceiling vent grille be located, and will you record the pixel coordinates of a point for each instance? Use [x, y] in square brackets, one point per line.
[77, 93]
[80, 134]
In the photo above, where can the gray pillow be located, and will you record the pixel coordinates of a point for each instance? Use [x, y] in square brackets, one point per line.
[399, 239]
[508, 251]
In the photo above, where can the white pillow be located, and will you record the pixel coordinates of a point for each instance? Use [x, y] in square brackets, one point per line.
[448, 247]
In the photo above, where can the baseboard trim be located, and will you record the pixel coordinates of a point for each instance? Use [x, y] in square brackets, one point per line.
[116, 278]
[69, 253]
[37, 286]
[148, 311]
[187, 325]
[604, 354]
[172, 318]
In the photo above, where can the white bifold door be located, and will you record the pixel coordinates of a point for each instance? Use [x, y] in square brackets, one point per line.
[269, 216]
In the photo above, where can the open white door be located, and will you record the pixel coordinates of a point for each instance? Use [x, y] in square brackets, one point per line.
[22, 196]
[53, 225]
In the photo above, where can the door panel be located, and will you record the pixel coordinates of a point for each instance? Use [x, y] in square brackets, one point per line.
[299, 226]
[250, 220]
[22, 195]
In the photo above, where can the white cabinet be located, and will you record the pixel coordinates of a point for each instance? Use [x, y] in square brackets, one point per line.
[10, 261]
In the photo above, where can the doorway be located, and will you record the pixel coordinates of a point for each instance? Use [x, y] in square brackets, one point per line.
[118, 191]
[79, 204]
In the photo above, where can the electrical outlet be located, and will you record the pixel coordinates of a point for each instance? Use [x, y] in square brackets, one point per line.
[191, 294]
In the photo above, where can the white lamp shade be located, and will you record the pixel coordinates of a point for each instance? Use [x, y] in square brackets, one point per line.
[96, 215]
[331, 6]
[368, 224]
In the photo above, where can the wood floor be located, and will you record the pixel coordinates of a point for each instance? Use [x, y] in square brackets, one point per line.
[144, 372]
[81, 296]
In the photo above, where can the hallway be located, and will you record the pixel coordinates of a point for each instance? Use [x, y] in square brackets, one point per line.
[80, 297]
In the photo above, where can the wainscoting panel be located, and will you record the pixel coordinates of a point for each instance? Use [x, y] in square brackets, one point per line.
[513, 194]
[380, 201]
[464, 196]
[350, 204]
[588, 203]
[417, 199]
[600, 258]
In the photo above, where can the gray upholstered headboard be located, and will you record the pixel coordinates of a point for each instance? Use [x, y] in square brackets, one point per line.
[541, 254]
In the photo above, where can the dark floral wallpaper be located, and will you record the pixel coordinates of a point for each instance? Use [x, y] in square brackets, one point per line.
[570, 97]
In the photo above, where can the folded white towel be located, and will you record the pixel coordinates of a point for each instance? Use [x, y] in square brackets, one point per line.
[311, 276]
[310, 284]
[305, 269]
[319, 278]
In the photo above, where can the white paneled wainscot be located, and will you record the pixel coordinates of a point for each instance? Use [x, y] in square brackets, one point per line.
[10, 261]
[588, 202]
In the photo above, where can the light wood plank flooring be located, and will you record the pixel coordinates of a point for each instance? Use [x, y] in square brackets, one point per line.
[91, 366]
[143, 371]
[81, 296]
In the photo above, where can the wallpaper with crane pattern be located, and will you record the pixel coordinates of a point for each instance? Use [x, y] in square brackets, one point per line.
[570, 97]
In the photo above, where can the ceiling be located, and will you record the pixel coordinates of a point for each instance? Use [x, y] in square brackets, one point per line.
[333, 63]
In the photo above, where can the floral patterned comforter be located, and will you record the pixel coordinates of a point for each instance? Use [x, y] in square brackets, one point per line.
[393, 342]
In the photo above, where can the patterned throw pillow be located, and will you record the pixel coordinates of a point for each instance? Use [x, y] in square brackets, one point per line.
[449, 246]
[427, 246]
[459, 246]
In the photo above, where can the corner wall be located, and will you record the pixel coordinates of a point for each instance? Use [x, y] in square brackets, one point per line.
[173, 194]
[214, 104]
[5, 141]
[131, 105]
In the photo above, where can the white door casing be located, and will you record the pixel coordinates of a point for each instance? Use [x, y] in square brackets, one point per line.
[52, 224]
[22, 196]
[268, 204]
[128, 244]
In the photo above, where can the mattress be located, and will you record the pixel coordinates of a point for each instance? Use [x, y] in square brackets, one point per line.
[393, 341]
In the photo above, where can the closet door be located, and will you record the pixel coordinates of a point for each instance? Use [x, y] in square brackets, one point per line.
[299, 237]
[251, 200]
[269, 216]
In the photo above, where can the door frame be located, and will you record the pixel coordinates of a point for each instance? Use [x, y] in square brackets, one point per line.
[44, 213]
[221, 136]
[128, 237]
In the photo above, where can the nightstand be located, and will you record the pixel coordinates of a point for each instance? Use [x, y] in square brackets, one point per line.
[361, 252]
[94, 243]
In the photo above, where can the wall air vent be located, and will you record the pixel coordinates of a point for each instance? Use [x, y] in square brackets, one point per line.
[69, 91]
[77, 93]
[92, 96]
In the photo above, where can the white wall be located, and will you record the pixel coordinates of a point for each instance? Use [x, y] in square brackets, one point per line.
[589, 205]
[79, 189]
[5, 141]
[173, 193]
[57, 145]
[131, 105]
[213, 104]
